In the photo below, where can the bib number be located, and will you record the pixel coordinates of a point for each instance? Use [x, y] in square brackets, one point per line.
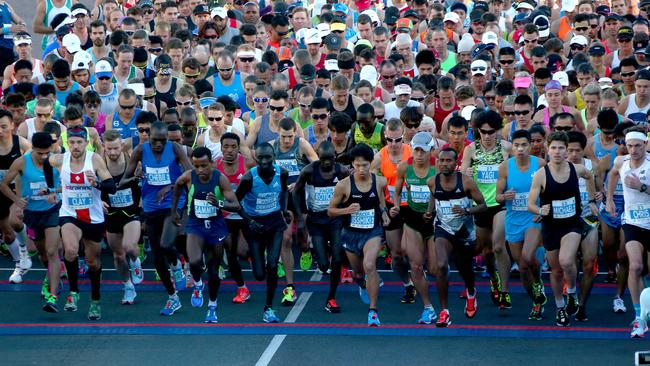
[520, 202]
[487, 174]
[563, 209]
[639, 214]
[121, 198]
[391, 192]
[36, 188]
[420, 194]
[323, 196]
[158, 176]
[203, 209]
[364, 219]
[80, 200]
[290, 165]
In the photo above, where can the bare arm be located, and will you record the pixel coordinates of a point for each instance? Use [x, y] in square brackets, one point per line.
[37, 25]
[181, 183]
[475, 194]
[15, 169]
[307, 150]
[341, 192]
[131, 166]
[535, 190]
[501, 183]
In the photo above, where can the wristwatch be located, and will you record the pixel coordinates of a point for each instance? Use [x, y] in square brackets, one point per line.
[643, 188]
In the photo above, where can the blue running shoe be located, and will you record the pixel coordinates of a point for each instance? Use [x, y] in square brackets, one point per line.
[172, 305]
[197, 296]
[428, 316]
[373, 319]
[83, 268]
[363, 294]
[211, 317]
[270, 317]
[179, 276]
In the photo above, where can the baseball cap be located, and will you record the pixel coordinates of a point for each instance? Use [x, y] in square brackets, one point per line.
[579, 39]
[72, 43]
[404, 23]
[145, 3]
[340, 8]
[569, 5]
[597, 50]
[307, 72]
[543, 25]
[81, 61]
[163, 64]
[402, 89]
[332, 42]
[338, 26]
[281, 8]
[482, 5]
[78, 9]
[603, 10]
[467, 111]
[103, 69]
[521, 18]
[451, 17]
[61, 20]
[221, 12]
[323, 30]
[643, 3]
[522, 82]
[479, 67]
[605, 83]
[363, 42]
[480, 48]
[476, 15]
[553, 84]
[561, 77]
[614, 16]
[391, 14]
[312, 36]
[466, 43]
[647, 50]
[625, 32]
[411, 13]
[525, 5]
[421, 140]
[201, 9]
[458, 6]
[370, 74]
[331, 65]
[490, 37]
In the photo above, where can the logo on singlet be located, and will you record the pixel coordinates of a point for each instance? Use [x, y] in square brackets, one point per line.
[356, 196]
[372, 194]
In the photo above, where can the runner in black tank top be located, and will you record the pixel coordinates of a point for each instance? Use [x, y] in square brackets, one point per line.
[350, 110]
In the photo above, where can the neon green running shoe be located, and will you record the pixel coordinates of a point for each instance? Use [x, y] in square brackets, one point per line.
[142, 254]
[306, 261]
[71, 302]
[383, 252]
[157, 276]
[50, 304]
[95, 311]
[45, 288]
[281, 271]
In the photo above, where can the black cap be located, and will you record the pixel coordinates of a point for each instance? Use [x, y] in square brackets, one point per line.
[597, 50]
[332, 42]
[307, 72]
[603, 10]
[284, 64]
[201, 9]
[475, 15]
[411, 13]
[482, 5]
[614, 16]
[625, 32]
[391, 15]
[140, 55]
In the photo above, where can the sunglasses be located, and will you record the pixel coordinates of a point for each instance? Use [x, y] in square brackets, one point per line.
[276, 108]
[389, 76]
[282, 34]
[225, 69]
[506, 62]
[303, 105]
[521, 113]
[192, 76]
[530, 40]
[509, 113]
[132, 106]
[581, 29]
[562, 128]
[411, 126]
[155, 49]
[628, 74]
[487, 132]
[319, 116]
[247, 59]
[607, 132]
[148, 11]
[623, 40]
[260, 100]
[395, 140]
[576, 47]
[490, 98]
[478, 68]
[144, 130]
[104, 78]
[189, 102]
[152, 96]
[43, 115]
[211, 36]
[594, 26]
[417, 99]
[215, 119]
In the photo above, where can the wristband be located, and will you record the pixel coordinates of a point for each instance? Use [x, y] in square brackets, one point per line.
[643, 188]
[539, 212]
[6, 29]
[384, 209]
[593, 200]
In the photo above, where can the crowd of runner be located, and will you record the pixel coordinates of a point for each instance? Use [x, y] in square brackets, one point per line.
[506, 134]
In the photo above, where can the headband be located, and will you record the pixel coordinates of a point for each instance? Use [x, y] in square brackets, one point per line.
[635, 135]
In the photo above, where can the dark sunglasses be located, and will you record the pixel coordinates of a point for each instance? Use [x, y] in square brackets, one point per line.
[276, 108]
[104, 78]
[395, 140]
[260, 100]
[189, 102]
[215, 119]
[417, 99]
[155, 49]
[607, 132]
[282, 34]
[319, 116]
[506, 62]
[389, 76]
[127, 106]
[144, 130]
[530, 40]
[92, 105]
[247, 59]
[576, 47]
[509, 113]
[521, 113]
[212, 36]
[225, 69]
[581, 29]
[562, 128]
[487, 132]
[628, 74]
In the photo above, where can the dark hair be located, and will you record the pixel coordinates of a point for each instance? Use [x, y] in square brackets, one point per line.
[492, 118]
[339, 122]
[287, 124]
[145, 117]
[366, 108]
[449, 149]
[607, 119]
[232, 136]
[318, 103]
[558, 136]
[425, 56]
[279, 94]
[561, 115]
[458, 121]
[6, 113]
[506, 51]
[542, 73]
[12, 99]
[229, 105]
[411, 114]
[363, 151]
[61, 69]
[202, 151]
[579, 137]
[52, 128]
[22, 64]
[523, 100]
[521, 134]
[537, 128]
[72, 113]
[42, 140]
[629, 61]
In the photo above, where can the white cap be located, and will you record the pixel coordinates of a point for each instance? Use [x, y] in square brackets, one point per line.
[402, 89]
[81, 61]
[323, 29]
[479, 67]
[67, 21]
[562, 77]
[138, 88]
[466, 43]
[78, 11]
[246, 53]
[103, 68]
[72, 43]
[312, 36]
[372, 14]
[525, 5]
[579, 39]
[369, 73]
[569, 5]
[541, 101]
[605, 83]
[467, 111]
[219, 12]
[490, 37]
[331, 65]
[451, 17]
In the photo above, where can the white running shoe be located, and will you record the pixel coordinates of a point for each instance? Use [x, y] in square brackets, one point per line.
[17, 275]
[137, 274]
[639, 327]
[129, 294]
[619, 306]
[25, 261]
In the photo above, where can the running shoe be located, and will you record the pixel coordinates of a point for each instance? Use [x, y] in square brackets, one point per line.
[619, 306]
[572, 304]
[639, 327]
[172, 305]
[179, 276]
[428, 316]
[539, 297]
[45, 287]
[383, 251]
[289, 297]
[373, 318]
[495, 288]
[463, 294]
[444, 319]
[409, 295]
[536, 313]
[189, 281]
[83, 268]
[137, 274]
[4, 249]
[71, 302]
[363, 294]
[211, 316]
[129, 294]
[581, 315]
[197, 296]
[50, 304]
[306, 261]
[346, 276]
[332, 307]
[471, 306]
[17, 275]
[242, 295]
[281, 271]
[504, 301]
[222, 273]
[270, 317]
[25, 261]
[95, 311]
[143, 255]
[562, 318]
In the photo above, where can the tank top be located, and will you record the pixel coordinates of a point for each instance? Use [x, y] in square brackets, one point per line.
[311, 136]
[517, 208]
[198, 206]
[418, 191]
[584, 194]
[445, 200]
[290, 160]
[440, 114]
[6, 18]
[565, 28]
[128, 129]
[349, 109]
[7, 160]
[126, 199]
[389, 171]
[634, 112]
[169, 97]
[31, 127]
[616, 61]
[235, 90]
[368, 216]
[547, 114]
[123, 83]
[319, 192]
[449, 62]
[215, 147]
[265, 134]
[50, 12]
[294, 114]
[374, 141]
[157, 175]
[486, 171]
[580, 103]
[601, 152]
[234, 181]
[637, 210]
[80, 200]
[564, 198]
[109, 101]
[263, 199]
[32, 182]
[62, 95]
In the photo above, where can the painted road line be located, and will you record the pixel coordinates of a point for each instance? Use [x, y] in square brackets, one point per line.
[277, 340]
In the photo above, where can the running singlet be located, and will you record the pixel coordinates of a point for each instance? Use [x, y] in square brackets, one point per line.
[389, 171]
[126, 130]
[418, 191]
[234, 90]
[520, 182]
[263, 199]
[7, 160]
[601, 152]
[445, 200]
[80, 200]
[635, 113]
[234, 181]
[368, 216]
[157, 175]
[32, 183]
[374, 141]
[585, 211]
[564, 198]
[486, 171]
[637, 207]
[126, 199]
[320, 192]
[198, 206]
[265, 134]
[290, 160]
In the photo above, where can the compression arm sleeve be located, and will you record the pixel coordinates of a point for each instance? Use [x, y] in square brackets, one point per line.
[107, 186]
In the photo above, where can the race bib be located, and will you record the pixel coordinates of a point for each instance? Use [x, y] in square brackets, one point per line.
[487, 174]
[563, 209]
[420, 194]
[158, 176]
[81, 199]
[121, 198]
[520, 202]
[267, 202]
[618, 191]
[204, 210]
[290, 165]
[323, 196]
[446, 206]
[364, 219]
[36, 188]
[391, 192]
[639, 214]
